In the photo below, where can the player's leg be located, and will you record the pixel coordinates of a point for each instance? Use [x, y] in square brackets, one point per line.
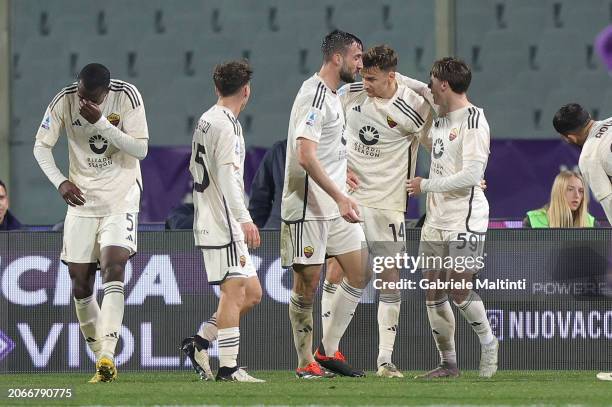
[80, 252]
[333, 278]
[439, 312]
[389, 305]
[303, 248]
[346, 241]
[469, 303]
[117, 240]
[112, 266]
[83, 277]
[384, 231]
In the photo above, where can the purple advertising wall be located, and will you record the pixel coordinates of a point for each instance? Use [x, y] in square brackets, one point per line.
[519, 177]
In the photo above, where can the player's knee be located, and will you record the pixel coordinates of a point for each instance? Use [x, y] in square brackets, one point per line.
[112, 272]
[254, 296]
[81, 290]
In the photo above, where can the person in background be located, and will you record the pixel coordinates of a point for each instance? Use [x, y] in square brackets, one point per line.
[267, 188]
[567, 207]
[8, 221]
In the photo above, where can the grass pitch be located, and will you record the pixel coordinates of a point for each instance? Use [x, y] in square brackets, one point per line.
[282, 388]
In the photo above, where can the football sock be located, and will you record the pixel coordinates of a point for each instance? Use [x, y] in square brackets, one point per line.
[326, 300]
[228, 341]
[474, 312]
[208, 330]
[343, 307]
[88, 310]
[442, 323]
[388, 317]
[300, 315]
[111, 316]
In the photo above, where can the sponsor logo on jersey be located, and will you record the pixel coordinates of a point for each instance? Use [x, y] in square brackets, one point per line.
[392, 123]
[311, 118]
[46, 123]
[242, 261]
[357, 108]
[453, 134]
[438, 148]
[77, 123]
[368, 135]
[98, 144]
[114, 118]
[308, 251]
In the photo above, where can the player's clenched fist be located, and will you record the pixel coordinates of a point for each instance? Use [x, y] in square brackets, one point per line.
[251, 235]
[413, 186]
[71, 193]
[349, 209]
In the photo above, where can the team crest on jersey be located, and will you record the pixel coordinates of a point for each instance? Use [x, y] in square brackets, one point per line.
[453, 134]
[308, 251]
[114, 118]
[46, 123]
[98, 144]
[312, 116]
[392, 123]
[242, 261]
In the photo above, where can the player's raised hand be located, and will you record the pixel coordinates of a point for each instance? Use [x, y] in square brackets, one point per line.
[413, 186]
[89, 110]
[251, 235]
[349, 209]
[352, 180]
[71, 193]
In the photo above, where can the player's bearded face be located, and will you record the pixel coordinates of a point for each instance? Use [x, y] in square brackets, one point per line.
[351, 63]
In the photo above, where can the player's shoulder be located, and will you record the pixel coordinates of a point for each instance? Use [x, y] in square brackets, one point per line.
[64, 93]
[220, 120]
[313, 93]
[127, 91]
[475, 119]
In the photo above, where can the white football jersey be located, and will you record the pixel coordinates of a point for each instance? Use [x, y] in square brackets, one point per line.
[461, 135]
[382, 142]
[316, 115]
[217, 141]
[596, 159]
[109, 178]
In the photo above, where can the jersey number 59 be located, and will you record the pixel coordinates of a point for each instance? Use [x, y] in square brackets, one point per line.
[201, 186]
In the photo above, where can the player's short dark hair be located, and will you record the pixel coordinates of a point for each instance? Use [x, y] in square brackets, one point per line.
[454, 71]
[2, 185]
[570, 119]
[230, 76]
[338, 41]
[94, 76]
[382, 57]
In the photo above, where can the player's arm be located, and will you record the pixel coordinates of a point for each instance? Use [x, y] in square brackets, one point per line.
[307, 158]
[227, 159]
[46, 137]
[420, 88]
[308, 130]
[133, 142]
[475, 154]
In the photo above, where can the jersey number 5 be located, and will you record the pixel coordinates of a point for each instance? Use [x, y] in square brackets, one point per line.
[201, 186]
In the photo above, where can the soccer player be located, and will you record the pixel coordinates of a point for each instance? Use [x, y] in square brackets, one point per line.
[384, 118]
[319, 218]
[222, 226]
[105, 123]
[595, 139]
[457, 214]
